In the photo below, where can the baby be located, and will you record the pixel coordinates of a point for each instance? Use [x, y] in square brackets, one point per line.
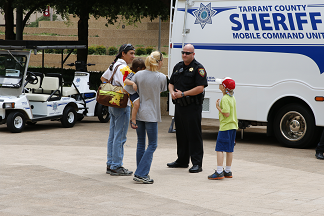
[131, 87]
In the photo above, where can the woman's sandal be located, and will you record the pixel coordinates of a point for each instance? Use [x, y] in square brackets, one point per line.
[133, 125]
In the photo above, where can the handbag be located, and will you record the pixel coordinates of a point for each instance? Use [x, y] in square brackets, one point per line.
[110, 95]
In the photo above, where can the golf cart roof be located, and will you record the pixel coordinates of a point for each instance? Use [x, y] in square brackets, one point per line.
[41, 45]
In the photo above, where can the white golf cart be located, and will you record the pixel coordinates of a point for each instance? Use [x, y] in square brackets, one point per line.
[28, 97]
[85, 97]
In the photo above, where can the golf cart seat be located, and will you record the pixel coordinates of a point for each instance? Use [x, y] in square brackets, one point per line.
[67, 91]
[49, 91]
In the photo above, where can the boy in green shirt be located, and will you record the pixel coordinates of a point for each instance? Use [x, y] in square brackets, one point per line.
[227, 129]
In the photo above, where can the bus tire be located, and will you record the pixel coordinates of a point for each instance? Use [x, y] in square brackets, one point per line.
[294, 126]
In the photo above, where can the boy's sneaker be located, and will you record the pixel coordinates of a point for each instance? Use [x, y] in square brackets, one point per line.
[108, 170]
[228, 174]
[143, 180]
[216, 176]
[121, 171]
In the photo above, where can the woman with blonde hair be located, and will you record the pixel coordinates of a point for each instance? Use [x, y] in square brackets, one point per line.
[150, 83]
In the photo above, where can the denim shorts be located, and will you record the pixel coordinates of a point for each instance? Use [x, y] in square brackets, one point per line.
[225, 141]
[134, 97]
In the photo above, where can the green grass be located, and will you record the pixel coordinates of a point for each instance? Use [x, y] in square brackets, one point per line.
[48, 34]
[42, 34]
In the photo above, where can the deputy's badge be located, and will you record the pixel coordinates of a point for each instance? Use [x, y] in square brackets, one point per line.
[202, 72]
[191, 69]
[181, 70]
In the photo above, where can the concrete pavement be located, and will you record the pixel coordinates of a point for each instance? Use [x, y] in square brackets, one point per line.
[50, 170]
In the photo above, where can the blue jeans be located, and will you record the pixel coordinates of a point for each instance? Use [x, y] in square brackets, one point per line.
[144, 157]
[119, 121]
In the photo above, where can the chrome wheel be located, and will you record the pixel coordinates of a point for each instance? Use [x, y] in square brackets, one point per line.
[293, 126]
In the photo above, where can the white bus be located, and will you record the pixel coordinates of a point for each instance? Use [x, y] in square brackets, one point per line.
[274, 50]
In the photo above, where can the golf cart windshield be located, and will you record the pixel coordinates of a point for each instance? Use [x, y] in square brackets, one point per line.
[12, 69]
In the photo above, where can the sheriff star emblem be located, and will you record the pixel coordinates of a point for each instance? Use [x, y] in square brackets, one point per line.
[204, 14]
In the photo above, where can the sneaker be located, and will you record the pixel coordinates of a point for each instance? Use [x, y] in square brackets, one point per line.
[143, 179]
[216, 176]
[108, 170]
[121, 171]
[228, 174]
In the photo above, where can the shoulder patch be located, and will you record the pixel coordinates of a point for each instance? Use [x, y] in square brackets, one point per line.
[202, 72]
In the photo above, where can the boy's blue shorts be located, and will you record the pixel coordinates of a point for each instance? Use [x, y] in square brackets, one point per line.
[225, 141]
[134, 97]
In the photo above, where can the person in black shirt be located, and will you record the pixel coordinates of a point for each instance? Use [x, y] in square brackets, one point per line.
[186, 87]
[320, 148]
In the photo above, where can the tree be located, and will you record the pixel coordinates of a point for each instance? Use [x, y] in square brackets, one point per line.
[9, 19]
[130, 10]
[29, 6]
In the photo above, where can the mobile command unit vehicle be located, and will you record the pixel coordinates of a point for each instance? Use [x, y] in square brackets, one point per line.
[28, 97]
[274, 50]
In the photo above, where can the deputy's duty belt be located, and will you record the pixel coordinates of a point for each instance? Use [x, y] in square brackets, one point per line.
[187, 100]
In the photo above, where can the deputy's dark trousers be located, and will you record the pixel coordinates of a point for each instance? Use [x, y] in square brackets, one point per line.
[320, 145]
[188, 133]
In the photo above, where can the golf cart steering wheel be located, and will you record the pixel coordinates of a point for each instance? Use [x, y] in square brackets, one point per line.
[31, 78]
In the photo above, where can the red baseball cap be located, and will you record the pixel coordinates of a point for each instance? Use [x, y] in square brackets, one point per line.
[227, 82]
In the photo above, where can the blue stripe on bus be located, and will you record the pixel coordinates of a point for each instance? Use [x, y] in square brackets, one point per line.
[313, 51]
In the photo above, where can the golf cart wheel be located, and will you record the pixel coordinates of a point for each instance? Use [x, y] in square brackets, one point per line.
[294, 126]
[69, 117]
[16, 122]
[103, 114]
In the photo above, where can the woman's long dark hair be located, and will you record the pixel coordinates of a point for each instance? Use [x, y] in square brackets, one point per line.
[117, 57]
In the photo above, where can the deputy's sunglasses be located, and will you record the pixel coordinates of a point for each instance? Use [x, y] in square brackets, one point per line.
[187, 53]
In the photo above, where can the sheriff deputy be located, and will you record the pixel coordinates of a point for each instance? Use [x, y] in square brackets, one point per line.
[186, 87]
